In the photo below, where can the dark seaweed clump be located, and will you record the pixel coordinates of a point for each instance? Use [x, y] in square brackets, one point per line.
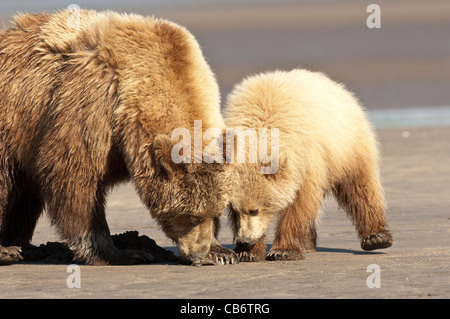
[59, 253]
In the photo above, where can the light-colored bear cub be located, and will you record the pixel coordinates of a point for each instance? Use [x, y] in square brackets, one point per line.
[326, 145]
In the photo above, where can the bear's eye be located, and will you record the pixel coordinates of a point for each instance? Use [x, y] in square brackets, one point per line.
[253, 212]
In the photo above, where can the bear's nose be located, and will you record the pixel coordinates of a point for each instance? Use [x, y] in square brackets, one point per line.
[253, 212]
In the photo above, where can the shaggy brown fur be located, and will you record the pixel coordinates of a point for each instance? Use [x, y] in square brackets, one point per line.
[326, 145]
[83, 109]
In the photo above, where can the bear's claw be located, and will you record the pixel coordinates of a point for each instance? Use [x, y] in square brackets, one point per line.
[222, 255]
[251, 253]
[281, 254]
[248, 256]
[377, 241]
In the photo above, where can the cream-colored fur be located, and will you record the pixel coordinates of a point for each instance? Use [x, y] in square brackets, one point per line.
[325, 137]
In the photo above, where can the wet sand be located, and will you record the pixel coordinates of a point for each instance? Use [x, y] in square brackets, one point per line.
[416, 178]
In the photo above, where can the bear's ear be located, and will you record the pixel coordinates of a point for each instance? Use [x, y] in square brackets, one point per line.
[161, 149]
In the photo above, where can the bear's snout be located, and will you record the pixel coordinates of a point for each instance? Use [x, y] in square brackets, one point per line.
[194, 243]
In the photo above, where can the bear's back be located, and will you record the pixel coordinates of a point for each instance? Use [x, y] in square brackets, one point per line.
[296, 100]
[318, 119]
[66, 69]
[156, 61]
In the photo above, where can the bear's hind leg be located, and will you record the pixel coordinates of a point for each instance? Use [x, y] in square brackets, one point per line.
[360, 195]
[296, 232]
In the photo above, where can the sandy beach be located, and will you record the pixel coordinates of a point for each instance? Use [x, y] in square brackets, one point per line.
[405, 63]
[415, 174]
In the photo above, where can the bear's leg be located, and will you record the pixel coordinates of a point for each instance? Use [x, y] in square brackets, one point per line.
[360, 195]
[79, 215]
[6, 187]
[219, 254]
[295, 232]
[251, 252]
[309, 240]
[246, 251]
[20, 205]
[19, 218]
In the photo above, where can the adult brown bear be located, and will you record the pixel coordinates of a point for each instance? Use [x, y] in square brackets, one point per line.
[86, 105]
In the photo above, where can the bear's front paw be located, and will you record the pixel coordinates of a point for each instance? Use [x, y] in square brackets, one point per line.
[377, 241]
[282, 254]
[248, 256]
[10, 254]
[222, 255]
[250, 253]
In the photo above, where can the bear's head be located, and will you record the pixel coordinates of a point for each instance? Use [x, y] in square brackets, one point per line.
[185, 198]
[257, 198]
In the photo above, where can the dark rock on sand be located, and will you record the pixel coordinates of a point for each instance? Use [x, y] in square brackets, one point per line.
[59, 253]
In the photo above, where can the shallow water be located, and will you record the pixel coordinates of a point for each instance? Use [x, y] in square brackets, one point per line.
[410, 117]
